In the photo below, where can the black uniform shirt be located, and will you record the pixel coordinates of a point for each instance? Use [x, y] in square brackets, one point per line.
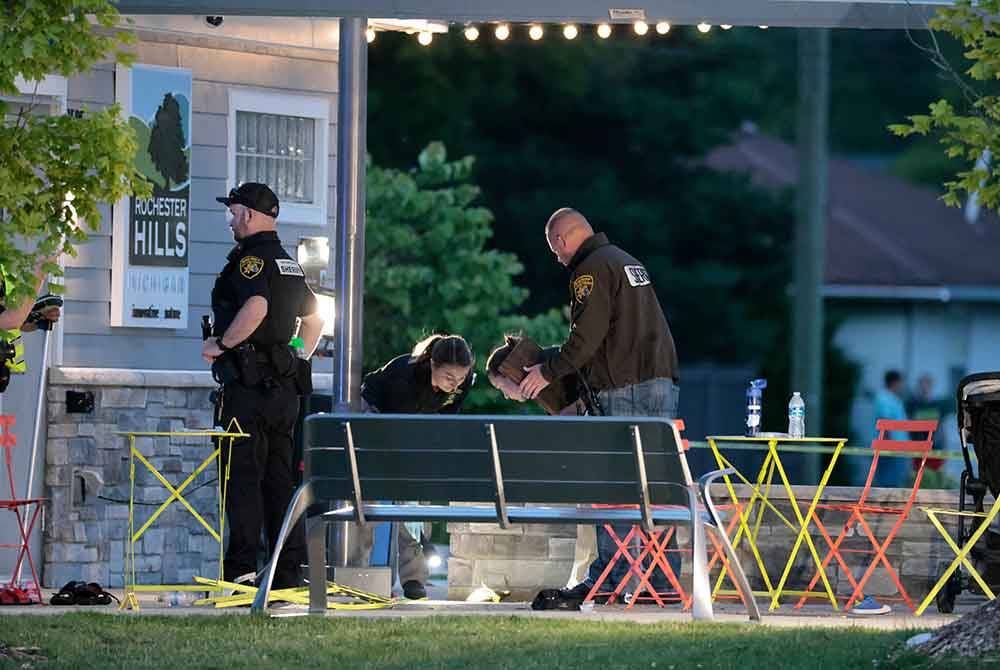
[259, 265]
[404, 387]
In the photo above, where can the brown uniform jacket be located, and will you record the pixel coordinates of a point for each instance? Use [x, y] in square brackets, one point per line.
[618, 333]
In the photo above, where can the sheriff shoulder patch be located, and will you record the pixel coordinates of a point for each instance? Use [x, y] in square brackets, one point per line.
[289, 267]
[636, 275]
[251, 266]
[582, 286]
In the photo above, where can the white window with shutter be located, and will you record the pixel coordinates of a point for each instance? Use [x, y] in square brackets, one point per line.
[281, 140]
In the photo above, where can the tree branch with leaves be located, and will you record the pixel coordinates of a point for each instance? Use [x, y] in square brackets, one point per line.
[56, 170]
[971, 134]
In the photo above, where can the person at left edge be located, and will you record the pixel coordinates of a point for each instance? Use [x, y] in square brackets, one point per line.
[257, 299]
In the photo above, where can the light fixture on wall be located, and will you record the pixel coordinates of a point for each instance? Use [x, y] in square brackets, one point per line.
[313, 254]
[536, 31]
[663, 27]
[570, 31]
[502, 31]
[640, 27]
[604, 31]
[471, 33]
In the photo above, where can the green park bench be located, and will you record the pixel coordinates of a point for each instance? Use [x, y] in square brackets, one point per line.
[506, 470]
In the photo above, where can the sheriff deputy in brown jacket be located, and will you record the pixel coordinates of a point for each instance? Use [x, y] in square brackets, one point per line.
[619, 340]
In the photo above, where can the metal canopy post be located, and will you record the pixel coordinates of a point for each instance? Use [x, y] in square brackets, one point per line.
[349, 254]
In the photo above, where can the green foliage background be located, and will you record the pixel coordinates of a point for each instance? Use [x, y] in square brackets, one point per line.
[429, 270]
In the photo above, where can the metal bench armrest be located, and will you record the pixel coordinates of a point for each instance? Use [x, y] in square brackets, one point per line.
[717, 527]
[301, 501]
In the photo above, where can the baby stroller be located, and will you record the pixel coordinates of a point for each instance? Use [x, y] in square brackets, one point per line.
[978, 410]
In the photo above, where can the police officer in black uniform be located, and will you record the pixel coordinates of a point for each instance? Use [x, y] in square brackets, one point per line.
[257, 300]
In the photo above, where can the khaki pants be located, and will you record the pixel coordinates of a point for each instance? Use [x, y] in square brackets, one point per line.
[583, 555]
[409, 561]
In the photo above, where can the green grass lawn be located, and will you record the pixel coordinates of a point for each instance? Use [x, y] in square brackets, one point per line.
[102, 642]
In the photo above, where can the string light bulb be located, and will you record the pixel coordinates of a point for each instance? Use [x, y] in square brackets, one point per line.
[502, 32]
[725, 26]
[370, 35]
[640, 27]
[704, 27]
[425, 38]
[471, 33]
[604, 31]
[535, 32]
[762, 27]
[570, 32]
[663, 27]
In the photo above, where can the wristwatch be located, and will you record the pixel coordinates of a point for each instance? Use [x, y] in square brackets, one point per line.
[222, 347]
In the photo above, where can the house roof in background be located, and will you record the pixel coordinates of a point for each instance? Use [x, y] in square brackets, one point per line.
[885, 237]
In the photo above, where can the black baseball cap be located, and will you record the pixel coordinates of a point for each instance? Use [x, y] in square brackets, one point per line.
[256, 196]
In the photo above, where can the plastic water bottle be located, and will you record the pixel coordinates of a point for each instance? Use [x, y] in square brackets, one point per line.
[796, 416]
[755, 403]
[299, 346]
[178, 598]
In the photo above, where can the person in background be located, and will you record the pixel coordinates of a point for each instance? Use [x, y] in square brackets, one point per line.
[21, 318]
[434, 378]
[891, 471]
[925, 406]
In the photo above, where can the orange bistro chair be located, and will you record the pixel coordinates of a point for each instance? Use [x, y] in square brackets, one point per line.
[860, 512]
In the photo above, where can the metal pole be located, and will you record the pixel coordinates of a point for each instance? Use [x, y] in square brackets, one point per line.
[39, 413]
[810, 228]
[349, 252]
[349, 257]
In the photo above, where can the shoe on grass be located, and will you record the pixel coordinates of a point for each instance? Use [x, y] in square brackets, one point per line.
[414, 590]
[870, 606]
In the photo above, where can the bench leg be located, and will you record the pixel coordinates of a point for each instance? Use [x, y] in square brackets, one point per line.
[701, 590]
[301, 501]
[736, 571]
[316, 549]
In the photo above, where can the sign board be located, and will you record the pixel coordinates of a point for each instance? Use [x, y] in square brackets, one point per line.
[151, 238]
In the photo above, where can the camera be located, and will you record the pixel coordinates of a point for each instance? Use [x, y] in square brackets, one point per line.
[214, 21]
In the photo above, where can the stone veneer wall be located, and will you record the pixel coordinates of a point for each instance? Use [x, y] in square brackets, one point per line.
[87, 477]
[525, 559]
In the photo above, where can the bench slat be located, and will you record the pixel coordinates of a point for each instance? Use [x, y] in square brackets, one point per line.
[488, 514]
[481, 490]
[525, 466]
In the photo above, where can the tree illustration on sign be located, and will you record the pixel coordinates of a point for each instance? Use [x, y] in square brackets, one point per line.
[166, 142]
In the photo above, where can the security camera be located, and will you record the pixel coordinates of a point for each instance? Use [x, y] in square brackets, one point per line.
[214, 21]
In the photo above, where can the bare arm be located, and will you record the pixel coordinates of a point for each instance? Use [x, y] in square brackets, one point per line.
[250, 316]
[310, 331]
[14, 317]
[247, 319]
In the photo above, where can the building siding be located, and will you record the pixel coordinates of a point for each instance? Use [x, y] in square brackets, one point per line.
[88, 339]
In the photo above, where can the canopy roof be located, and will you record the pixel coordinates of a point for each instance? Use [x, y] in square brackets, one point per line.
[797, 13]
